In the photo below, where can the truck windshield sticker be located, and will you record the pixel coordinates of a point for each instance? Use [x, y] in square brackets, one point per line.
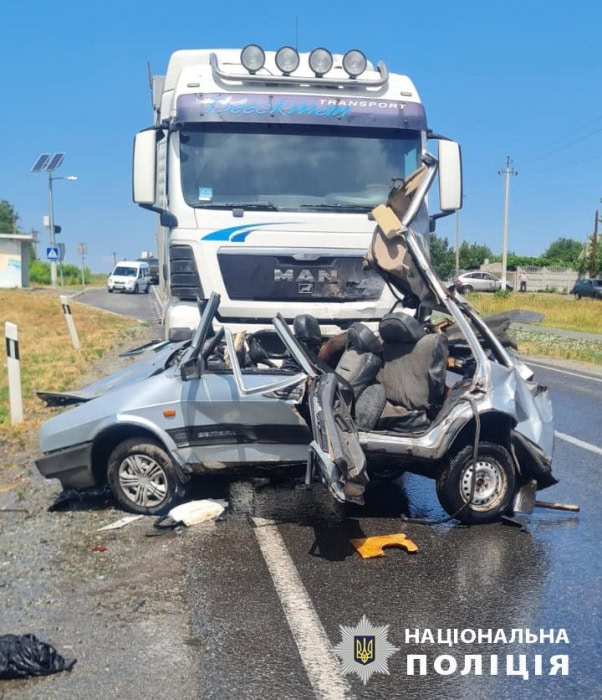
[205, 194]
[300, 109]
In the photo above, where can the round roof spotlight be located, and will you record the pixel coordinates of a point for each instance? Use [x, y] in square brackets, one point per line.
[354, 63]
[252, 57]
[320, 61]
[287, 60]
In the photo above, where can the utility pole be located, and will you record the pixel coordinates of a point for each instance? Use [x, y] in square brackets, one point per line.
[592, 262]
[82, 249]
[114, 258]
[458, 239]
[507, 171]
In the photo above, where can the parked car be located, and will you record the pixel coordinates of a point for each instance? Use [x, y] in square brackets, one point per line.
[478, 281]
[587, 288]
[439, 396]
[129, 276]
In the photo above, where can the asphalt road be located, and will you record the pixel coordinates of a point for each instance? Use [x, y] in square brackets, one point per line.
[270, 586]
[143, 307]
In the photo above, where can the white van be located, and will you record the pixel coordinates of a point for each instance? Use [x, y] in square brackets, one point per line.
[130, 276]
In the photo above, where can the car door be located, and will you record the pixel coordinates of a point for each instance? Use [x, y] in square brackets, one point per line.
[335, 452]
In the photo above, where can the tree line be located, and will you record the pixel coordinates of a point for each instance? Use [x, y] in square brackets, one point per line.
[563, 252]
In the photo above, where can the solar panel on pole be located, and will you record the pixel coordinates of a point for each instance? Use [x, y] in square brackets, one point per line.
[55, 162]
[40, 163]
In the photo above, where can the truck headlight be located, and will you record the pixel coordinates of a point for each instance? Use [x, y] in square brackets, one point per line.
[320, 61]
[252, 57]
[287, 60]
[354, 63]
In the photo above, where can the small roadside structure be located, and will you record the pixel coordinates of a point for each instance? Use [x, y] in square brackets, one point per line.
[14, 260]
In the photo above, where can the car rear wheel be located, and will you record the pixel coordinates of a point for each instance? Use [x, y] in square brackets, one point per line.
[135, 290]
[143, 478]
[493, 488]
[110, 291]
[147, 288]
[467, 289]
[577, 296]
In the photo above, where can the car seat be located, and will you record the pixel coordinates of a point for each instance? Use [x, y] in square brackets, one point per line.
[413, 373]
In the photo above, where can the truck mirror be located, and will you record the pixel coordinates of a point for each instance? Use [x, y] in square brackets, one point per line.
[450, 176]
[144, 171]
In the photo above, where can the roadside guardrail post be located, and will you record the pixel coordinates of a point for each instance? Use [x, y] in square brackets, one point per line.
[70, 322]
[13, 364]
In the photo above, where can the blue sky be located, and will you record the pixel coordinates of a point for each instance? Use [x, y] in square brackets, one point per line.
[506, 78]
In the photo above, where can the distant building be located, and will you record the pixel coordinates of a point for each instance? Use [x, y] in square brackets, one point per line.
[14, 260]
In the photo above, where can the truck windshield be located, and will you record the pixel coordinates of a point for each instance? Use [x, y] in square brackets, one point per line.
[292, 167]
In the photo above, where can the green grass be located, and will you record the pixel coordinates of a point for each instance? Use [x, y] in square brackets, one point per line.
[560, 311]
[48, 359]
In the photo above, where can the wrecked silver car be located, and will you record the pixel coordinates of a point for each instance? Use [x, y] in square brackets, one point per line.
[433, 390]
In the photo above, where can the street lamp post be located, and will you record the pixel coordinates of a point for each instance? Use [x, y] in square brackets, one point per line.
[49, 163]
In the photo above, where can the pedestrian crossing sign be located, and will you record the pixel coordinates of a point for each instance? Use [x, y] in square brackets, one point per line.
[52, 253]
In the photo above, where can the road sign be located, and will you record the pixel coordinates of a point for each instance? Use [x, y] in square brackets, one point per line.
[52, 253]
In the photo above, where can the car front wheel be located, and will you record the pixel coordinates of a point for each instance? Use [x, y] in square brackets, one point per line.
[577, 296]
[494, 484]
[143, 478]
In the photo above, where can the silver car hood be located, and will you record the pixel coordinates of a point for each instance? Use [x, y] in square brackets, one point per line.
[154, 362]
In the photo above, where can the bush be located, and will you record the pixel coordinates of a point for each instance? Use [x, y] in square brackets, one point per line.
[39, 272]
[502, 293]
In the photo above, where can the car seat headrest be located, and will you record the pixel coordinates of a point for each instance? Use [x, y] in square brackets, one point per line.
[307, 329]
[400, 328]
[362, 339]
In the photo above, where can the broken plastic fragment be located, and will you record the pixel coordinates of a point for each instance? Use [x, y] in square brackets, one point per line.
[195, 512]
[122, 522]
[370, 547]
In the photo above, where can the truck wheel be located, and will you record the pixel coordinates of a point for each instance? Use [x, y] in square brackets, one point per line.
[143, 478]
[494, 485]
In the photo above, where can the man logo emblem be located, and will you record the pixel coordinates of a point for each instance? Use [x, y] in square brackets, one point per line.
[305, 287]
[364, 649]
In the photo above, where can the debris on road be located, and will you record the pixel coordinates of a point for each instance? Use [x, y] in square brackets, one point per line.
[371, 547]
[118, 524]
[98, 548]
[195, 512]
[26, 655]
[79, 495]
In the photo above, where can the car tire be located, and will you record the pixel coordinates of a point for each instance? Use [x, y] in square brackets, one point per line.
[147, 288]
[135, 290]
[467, 289]
[143, 478]
[110, 291]
[577, 296]
[494, 487]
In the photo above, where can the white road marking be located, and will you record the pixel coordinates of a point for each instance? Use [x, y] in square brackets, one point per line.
[321, 664]
[579, 443]
[587, 377]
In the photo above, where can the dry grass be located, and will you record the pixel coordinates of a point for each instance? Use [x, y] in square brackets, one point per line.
[560, 311]
[48, 359]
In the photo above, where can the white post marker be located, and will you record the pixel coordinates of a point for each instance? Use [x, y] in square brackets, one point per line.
[70, 322]
[13, 365]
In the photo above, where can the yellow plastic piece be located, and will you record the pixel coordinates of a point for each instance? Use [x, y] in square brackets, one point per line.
[370, 547]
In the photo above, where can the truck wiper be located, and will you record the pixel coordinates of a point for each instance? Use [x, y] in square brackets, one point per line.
[325, 207]
[261, 206]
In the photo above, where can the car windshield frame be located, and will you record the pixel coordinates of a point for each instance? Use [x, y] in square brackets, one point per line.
[125, 271]
[293, 167]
